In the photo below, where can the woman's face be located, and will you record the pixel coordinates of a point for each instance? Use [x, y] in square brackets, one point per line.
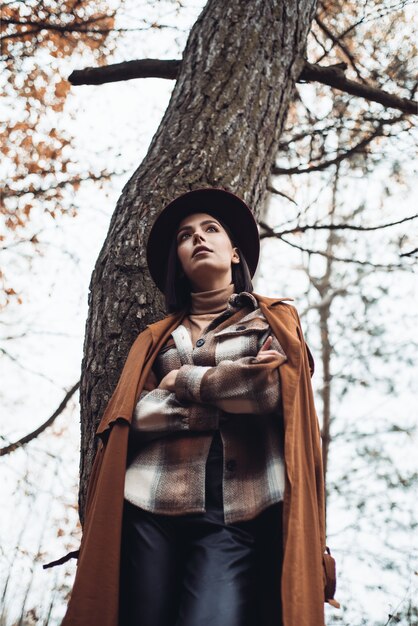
[210, 268]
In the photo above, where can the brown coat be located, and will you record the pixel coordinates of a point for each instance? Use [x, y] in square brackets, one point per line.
[95, 596]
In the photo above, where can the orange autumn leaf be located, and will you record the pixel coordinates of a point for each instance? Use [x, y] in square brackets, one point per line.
[62, 88]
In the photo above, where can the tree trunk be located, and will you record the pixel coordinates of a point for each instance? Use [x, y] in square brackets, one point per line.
[221, 128]
[324, 286]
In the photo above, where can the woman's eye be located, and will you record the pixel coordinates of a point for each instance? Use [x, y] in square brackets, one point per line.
[181, 237]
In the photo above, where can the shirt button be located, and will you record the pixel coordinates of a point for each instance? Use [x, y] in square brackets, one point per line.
[241, 327]
[231, 465]
[200, 342]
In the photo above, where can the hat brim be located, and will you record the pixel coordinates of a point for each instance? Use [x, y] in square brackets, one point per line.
[216, 201]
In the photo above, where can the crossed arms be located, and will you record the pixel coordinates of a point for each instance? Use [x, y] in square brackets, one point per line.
[199, 396]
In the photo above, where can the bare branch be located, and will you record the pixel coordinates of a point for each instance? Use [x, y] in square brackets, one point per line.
[280, 193]
[86, 27]
[302, 229]
[308, 132]
[143, 68]
[337, 41]
[342, 156]
[410, 253]
[157, 68]
[334, 76]
[24, 440]
[391, 266]
[77, 180]
[42, 25]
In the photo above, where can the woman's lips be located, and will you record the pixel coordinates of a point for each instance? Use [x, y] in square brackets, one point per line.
[201, 252]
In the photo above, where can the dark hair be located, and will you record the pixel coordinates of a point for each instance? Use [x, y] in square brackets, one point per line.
[177, 285]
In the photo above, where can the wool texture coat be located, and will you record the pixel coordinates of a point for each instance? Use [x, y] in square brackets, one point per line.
[308, 570]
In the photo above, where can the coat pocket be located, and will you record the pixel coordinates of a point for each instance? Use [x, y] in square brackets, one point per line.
[256, 325]
[239, 340]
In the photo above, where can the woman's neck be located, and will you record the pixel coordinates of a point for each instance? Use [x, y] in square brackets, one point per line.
[212, 301]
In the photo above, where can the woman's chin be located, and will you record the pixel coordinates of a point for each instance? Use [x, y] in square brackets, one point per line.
[203, 264]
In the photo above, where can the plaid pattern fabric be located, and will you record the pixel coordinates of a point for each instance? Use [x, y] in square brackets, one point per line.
[220, 385]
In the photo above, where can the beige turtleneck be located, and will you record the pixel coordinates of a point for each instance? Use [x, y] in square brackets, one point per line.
[205, 306]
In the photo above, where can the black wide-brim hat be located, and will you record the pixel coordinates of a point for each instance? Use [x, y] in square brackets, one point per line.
[219, 203]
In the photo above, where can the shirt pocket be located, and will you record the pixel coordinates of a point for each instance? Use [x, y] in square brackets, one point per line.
[241, 339]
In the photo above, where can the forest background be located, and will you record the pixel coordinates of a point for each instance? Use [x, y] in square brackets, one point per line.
[338, 234]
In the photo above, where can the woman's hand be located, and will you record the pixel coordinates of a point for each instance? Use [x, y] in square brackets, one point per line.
[265, 355]
[168, 382]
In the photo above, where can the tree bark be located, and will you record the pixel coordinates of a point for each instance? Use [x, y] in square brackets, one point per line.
[221, 128]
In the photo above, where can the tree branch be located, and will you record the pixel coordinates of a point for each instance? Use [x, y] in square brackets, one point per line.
[411, 253]
[336, 41]
[143, 68]
[302, 229]
[39, 192]
[333, 76]
[358, 147]
[80, 28]
[24, 440]
[281, 193]
[391, 266]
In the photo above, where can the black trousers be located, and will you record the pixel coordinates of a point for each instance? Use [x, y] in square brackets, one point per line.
[195, 570]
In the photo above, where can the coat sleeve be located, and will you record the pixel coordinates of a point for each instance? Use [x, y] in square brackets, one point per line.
[159, 411]
[243, 385]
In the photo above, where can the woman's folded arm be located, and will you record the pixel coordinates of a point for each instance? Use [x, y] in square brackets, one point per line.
[159, 411]
[244, 385]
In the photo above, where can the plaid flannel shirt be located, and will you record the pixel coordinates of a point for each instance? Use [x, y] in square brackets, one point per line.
[220, 386]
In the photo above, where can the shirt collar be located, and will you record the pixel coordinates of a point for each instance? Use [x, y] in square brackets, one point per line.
[239, 300]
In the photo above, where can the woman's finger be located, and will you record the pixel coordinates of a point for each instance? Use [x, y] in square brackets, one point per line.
[268, 355]
[266, 345]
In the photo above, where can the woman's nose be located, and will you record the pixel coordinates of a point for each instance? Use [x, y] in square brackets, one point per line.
[196, 236]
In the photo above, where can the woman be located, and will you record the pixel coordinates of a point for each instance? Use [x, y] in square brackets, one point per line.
[196, 542]
[208, 467]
